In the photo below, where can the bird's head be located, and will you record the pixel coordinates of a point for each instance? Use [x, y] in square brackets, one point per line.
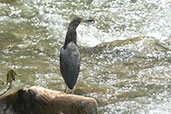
[77, 20]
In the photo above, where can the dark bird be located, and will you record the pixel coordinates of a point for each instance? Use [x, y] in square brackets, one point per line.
[70, 55]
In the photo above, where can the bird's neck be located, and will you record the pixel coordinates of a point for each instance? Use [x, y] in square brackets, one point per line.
[71, 36]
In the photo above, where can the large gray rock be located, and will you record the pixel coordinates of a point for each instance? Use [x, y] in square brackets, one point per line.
[38, 100]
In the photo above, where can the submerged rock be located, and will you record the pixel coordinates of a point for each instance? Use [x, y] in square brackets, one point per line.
[38, 100]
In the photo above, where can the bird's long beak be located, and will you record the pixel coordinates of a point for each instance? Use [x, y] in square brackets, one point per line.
[88, 20]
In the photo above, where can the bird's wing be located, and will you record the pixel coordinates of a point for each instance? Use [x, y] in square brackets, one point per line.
[70, 64]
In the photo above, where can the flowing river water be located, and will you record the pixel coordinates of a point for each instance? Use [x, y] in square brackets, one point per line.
[125, 54]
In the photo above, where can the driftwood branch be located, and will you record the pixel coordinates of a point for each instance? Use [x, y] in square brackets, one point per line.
[6, 89]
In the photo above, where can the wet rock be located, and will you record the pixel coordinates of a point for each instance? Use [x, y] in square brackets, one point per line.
[117, 43]
[38, 100]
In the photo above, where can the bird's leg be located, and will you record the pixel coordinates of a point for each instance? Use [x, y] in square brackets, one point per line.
[65, 89]
[72, 91]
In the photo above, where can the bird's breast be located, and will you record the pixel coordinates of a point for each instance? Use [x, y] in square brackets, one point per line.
[71, 52]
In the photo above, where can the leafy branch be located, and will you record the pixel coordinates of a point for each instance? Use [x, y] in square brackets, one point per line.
[10, 77]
